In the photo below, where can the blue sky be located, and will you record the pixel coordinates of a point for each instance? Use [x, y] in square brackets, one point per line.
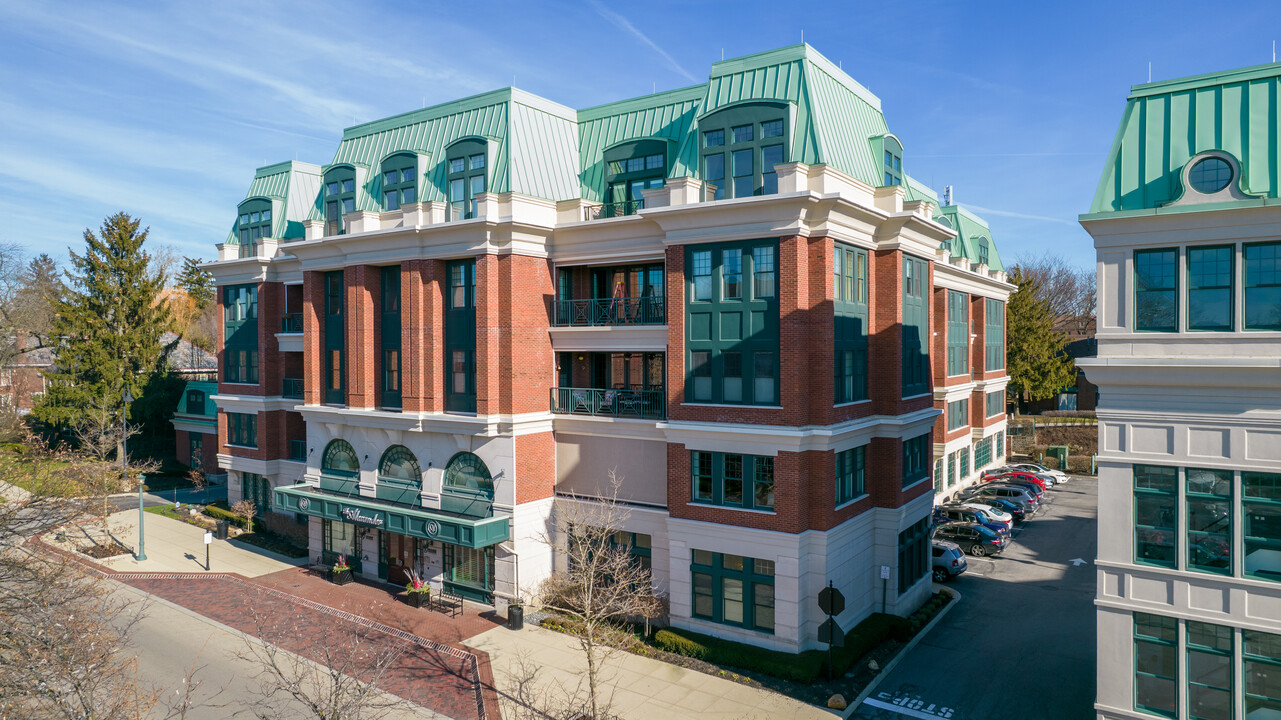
[165, 110]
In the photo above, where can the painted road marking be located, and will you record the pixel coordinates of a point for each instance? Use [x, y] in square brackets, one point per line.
[1077, 562]
[909, 707]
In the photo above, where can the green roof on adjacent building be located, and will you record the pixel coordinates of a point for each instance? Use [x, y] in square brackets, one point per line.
[971, 231]
[1167, 123]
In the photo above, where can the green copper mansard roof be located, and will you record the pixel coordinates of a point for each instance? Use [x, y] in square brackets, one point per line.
[1167, 123]
[542, 149]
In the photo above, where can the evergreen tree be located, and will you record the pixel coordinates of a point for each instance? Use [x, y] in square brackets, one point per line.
[197, 282]
[108, 327]
[40, 289]
[1037, 366]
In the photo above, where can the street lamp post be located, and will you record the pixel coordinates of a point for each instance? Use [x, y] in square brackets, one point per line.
[124, 443]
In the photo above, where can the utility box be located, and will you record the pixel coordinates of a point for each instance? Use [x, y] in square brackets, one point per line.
[1060, 453]
[223, 530]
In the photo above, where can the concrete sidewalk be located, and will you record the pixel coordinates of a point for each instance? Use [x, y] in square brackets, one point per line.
[175, 547]
[641, 687]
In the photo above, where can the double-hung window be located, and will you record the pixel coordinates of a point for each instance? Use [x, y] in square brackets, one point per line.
[958, 333]
[916, 452]
[732, 480]
[1209, 667]
[1156, 490]
[913, 554]
[915, 327]
[851, 466]
[1261, 512]
[460, 337]
[958, 414]
[340, 197]
[253, 224]
[242, 429]
[465, 177]
[850, 323]
[994, 336]
[399, 181]
[1156, 290]
[1262, 286]
[995, 403]
[1210, 290]
[733, 590]
[1209, 519]
[1155, 664]
[334, 338]
[389, 336]
[893, 164]
[740, 147]
[1261, 652]
[240, 342]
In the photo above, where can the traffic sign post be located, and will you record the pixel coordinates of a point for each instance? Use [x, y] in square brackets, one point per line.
[208, 542]
[832, 602]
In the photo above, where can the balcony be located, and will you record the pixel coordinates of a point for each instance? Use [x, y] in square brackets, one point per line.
[298, 450]
[613, 210]
[611, 311]
[291, 388]
[291, 322]
[642, 404]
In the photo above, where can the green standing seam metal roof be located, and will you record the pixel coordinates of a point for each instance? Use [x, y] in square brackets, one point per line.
[969, 228]
[546, 150]
[1166, 123]
[209, 389]
[291, 186]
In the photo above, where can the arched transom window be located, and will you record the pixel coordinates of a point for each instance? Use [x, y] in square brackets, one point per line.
[399, 464]
[467, 473]
[340, 459]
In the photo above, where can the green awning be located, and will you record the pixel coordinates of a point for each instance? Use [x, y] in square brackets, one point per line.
[415, 522]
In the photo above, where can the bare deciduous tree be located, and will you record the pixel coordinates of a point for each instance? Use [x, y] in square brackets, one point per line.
[245, 510]
[601, 588]
[199, 482]
[1068, 290]
[343, 683]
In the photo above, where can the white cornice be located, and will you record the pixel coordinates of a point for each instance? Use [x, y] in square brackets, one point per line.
[952, 277]
[204, 427]
[773, 438]
[449, 423]
[253, 403]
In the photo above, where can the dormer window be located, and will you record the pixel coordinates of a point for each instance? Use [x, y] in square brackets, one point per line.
[980, 247]
[195, 402]
[466, 177]
[253, 224]
[340, 198]
[400, 181]
[630, 170]
[893, 161]
[743, 167]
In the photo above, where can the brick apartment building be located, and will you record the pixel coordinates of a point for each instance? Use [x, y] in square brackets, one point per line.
[732, 296]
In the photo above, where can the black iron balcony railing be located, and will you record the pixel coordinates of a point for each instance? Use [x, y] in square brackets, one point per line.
[614, 209]
[291, 322]
[298, 450]
[291, 388]
[612, 311]
[646, 404]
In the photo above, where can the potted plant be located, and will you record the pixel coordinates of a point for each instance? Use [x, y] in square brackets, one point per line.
[341, 574]
[417, 592]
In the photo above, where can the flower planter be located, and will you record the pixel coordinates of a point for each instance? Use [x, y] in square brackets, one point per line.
[418, 599]
[340, 577]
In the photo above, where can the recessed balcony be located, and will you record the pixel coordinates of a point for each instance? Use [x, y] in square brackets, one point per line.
[291, 322]
[291, 388]
[610, 402]
[602, 312]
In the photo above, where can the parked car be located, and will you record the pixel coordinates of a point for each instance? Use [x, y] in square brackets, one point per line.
[1058, 475]
[1014, 479]
[1021, 495]
[1013, 507]
[1044, 481]
[948, 560]
[994, 514]
[959, 513]
[973, 538]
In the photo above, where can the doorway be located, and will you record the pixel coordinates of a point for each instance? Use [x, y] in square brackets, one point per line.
[402, 555]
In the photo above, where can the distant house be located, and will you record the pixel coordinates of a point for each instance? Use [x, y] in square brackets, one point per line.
[195, 423]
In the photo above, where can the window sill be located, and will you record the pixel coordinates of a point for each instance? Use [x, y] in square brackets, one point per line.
[722, 405]
[852, 402]
[246, 447]
[246, 384]
[905, 398]
[697, 503]
[850, 502]
[914, 483]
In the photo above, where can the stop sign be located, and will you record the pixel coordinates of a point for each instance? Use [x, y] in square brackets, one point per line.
[831, 601]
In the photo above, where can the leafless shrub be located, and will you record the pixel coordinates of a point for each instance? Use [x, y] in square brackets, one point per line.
[245, 510]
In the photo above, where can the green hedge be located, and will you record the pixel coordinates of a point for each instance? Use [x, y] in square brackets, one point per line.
[218, 513]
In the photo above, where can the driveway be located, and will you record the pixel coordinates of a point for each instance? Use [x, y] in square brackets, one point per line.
[1021, 643]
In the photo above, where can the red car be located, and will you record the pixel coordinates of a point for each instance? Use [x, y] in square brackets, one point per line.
[1018, 475]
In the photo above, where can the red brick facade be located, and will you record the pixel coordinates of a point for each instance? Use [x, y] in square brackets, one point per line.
[535, 467]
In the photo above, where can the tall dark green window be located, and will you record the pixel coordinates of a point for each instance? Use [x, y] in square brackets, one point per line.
[913, 554]
[389, 332]
[335, 339]
[982, 453]
[1262, 654]
[399, 181]
[740, 147]
[893, 163]
[849, 309]
[1209, 664]
[916, 454]
[958, 414]
[240, 342]
[994, 336]
[340, 197]
[254, 222]
[851, 468]
[1156, 490]
[1156, 290]
[1210, 291]
[242, 429]
[1261, 510]
[732, 480]
[731, 328]
[965, 462]
[1209, 519]
[1262, 286]
[916, 326]
[256, 489]
[958, 333]
[733, 590]
[466, 177]
[995, 403]
[1156, 649]
[631, 169]
[981, 249]
[460, 337]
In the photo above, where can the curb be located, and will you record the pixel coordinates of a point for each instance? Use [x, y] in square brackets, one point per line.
[871, 687]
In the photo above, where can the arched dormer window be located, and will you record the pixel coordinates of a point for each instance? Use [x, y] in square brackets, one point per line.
[893, 160]
[465, 176]
[630, 169]
[980, 249]
[254, 222]
[340, 460]
[400, 181]
[340, 197]
[398, 464]
[740, 146]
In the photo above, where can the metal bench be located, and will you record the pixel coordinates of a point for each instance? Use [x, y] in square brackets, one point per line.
[448, 602]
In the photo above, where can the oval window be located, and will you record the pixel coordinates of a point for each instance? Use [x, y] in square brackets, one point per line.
[1210, 175]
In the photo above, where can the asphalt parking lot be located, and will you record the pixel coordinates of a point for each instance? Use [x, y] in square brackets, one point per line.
[1021, 642]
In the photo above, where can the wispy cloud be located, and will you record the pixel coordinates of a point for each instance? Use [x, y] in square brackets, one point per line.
[1022, 216]
[626, 25]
